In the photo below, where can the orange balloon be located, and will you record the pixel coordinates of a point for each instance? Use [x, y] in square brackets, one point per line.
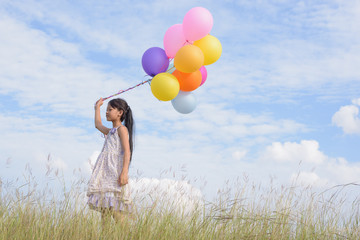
[188, 81]
[189, 59]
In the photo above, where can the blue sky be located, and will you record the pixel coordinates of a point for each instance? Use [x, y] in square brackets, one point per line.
[282, 101]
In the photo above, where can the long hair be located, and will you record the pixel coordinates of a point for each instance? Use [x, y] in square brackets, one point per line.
[127, 118]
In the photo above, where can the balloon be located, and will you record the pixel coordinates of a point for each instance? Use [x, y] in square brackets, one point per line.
[203, 74]
[188, 81]
[189, 59]
[174, 39]
[197, 23]
[211, 47]
[154, 61]
[185, 102]
[165, 86]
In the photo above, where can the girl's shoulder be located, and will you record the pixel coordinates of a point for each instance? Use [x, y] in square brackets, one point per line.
[122, 129]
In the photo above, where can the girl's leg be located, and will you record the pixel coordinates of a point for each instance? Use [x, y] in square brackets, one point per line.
[122, 216]
[119, 216]
[105, 218]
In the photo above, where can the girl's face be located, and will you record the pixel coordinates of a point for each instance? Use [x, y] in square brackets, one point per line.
[112, 114]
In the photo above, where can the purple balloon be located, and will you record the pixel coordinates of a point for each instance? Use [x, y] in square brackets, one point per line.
[154, 61]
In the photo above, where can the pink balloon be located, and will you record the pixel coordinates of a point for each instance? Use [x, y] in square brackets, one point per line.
[203, 74]
[174, 39]
[197, 23]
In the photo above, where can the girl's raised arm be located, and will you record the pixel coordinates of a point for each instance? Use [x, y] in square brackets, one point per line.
[98, 123]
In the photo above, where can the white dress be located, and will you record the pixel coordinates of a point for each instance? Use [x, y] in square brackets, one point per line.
[104, 191]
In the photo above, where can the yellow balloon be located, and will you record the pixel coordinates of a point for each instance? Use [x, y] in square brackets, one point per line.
[165, 86]
[189, 59]
[211, 47]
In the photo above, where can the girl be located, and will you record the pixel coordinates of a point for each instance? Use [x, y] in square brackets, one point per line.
[108, 189]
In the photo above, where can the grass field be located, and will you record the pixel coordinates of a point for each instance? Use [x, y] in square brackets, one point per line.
[248, 212]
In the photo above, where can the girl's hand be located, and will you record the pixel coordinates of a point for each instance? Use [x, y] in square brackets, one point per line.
[123, 179]
[99, 103]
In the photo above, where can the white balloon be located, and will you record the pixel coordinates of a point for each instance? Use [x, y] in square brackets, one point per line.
[184, 102]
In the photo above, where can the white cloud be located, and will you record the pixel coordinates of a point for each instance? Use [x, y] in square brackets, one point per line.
[343, 171]
[119, 30]
[347, 118]
[89, 166]
[41, 71]
[238, 155]
[303, 163]
[166, 193]
[356, 101]
[43, 144]
[308, 179]
[58, 163]
[306, 151]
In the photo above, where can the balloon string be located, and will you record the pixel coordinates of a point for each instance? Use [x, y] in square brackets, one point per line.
[173, 67]
[122, 91]
[169, 70]
[139, 84]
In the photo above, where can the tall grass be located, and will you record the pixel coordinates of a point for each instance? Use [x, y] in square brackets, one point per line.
[242, 211]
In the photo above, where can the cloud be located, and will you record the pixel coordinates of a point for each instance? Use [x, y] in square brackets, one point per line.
[117, 28]
[308, 179]
[238, 155]
[306, 151]
[43, 144]
[356, 101]
[303, 163]
[89, 166]
[347, 118]
[341, 171]
[166, 193]
[38, 71]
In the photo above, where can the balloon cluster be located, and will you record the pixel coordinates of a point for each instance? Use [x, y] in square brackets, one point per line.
[191, 47]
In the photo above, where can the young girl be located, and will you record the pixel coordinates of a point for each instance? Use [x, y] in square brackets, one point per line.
[108, 189]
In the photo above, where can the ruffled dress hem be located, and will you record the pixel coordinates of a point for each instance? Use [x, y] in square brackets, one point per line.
[109, 200]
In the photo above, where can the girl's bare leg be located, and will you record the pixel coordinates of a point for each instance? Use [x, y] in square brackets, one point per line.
[105, 218]
[121, 217]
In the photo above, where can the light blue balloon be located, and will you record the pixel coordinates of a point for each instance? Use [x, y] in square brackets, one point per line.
[184, 102]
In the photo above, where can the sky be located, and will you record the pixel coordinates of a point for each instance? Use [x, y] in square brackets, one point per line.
[281, 105]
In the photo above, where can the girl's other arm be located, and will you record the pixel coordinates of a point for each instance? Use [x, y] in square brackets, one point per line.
[98, 123]
[124, 137]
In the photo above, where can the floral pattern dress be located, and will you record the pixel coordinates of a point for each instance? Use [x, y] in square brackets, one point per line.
[104, 191]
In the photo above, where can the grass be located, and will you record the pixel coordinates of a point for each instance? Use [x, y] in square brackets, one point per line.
[249, 212]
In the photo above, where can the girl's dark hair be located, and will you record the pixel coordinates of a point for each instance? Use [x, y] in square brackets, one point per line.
[127, 118]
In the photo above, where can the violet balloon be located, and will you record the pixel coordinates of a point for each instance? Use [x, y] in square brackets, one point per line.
[155, 61]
